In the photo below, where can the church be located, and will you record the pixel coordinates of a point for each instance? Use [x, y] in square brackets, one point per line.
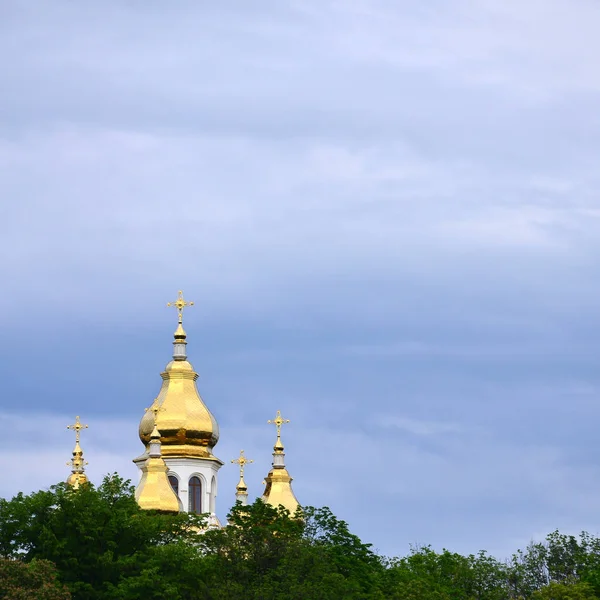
[179, 471]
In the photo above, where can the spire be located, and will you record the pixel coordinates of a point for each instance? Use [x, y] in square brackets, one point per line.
[278, 454]
[278, 483]
[154, 492]
[188, 429]
[241, 489]
[77, 463]
[180, 335]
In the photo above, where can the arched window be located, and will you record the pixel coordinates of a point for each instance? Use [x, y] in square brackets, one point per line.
[195, 495]
[174, 483]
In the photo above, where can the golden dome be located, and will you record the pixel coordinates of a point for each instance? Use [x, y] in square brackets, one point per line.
[77, 463]
[154, 492]
[278, 490]
[278, 483]
[241, 489]
[187, 428]
[76, 479]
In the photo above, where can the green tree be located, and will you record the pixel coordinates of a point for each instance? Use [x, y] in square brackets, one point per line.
[267, 553]
[425, 574]
[97, 544]
[96, 537]
[23, 581]
[565, 591]
[559, 559]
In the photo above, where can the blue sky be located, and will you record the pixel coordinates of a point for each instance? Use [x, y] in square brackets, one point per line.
[386, 212]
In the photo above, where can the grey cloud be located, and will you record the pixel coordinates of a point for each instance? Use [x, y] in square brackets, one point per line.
[379, 209]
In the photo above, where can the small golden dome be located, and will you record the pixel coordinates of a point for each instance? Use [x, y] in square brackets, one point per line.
[154, 492]
[278, 490]
[77, 479]
[180, 332]
[278, 483]
[241, 487]
[77, 463]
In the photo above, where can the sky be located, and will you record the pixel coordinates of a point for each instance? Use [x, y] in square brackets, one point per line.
[387, 214]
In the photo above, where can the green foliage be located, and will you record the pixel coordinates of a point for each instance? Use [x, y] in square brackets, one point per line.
[37, 579]
[268, 553]
[95, 537]
[97, 544]
[564, 591]
[559, 560]
[426, 574]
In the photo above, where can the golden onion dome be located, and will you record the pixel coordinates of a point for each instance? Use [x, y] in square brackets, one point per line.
[77, 479]
[154, 492]
[187, 428]
[278, 483]
[278, 490]
[77, 462]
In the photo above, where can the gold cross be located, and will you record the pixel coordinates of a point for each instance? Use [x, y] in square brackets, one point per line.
[155, 408]
[278, 421]
[180, 304]
[242, 461]
[77, 427]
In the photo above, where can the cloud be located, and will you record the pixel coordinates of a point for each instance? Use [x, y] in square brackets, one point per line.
[387, 216]
[416, 427]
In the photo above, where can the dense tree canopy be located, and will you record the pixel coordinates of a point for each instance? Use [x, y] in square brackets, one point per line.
[20, 580]
[96, 544]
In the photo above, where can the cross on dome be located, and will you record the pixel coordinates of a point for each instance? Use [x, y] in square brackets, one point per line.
[77, 463]
[155, 409]
[242, 461]
[278, 421]
[77, 427]
[180, 304]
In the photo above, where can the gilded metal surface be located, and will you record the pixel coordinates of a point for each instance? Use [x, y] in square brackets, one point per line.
[278, 490]
[76, 479]
[180, 304]
[278, 421]
[278, 483]
[241, 488]
[187, 427]
[242, 461]
[77, 463]
[77, 427]
[154, 492]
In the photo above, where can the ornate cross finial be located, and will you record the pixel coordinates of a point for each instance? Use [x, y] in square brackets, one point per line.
[278, 421]
[180, 304]
[242, 461]
[155, 408]
[77, 427]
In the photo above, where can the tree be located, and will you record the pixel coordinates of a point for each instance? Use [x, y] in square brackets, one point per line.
[560, 559]
[97, 544]
[267, 553]
[96, 537]
[425, 574]
[565, 591]
[23, 581]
